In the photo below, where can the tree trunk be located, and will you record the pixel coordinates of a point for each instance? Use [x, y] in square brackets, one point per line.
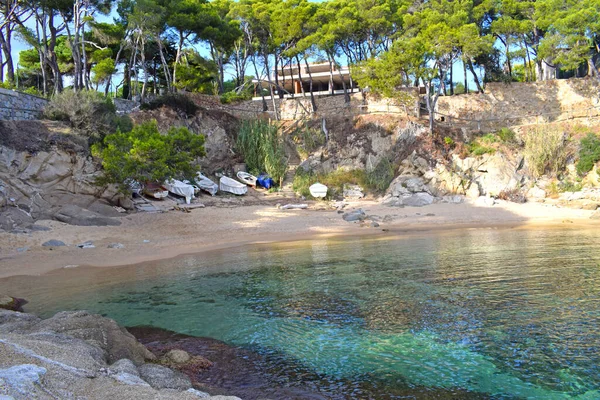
[313, 103]
[475, 77]
[465, 76]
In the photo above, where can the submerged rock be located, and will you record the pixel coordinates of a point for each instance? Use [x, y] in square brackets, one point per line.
[11, 303]
[178, 356]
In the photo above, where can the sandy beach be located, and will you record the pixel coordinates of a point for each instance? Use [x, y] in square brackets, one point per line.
[154, 236]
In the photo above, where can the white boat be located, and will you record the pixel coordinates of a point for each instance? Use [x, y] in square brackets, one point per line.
[155, 190]
[206, 184]
[246, 178]
[318, 190]
[181, 189]
[227, 184]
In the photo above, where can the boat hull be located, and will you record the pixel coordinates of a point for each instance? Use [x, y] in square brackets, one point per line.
[318, 190]
[232, 186]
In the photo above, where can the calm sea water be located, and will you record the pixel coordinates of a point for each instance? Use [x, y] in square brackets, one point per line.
[502, 313]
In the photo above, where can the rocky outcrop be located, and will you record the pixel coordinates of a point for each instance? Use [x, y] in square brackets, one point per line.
[11, 303]
[76, 355]
[361, 143]
[41, 174]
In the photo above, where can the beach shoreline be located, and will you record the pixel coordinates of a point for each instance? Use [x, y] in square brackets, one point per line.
[150, 237]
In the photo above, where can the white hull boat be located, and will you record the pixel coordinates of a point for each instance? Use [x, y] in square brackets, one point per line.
[318, 190]
[181, 189]
[246, 178]
[227, 184]
[206, 184]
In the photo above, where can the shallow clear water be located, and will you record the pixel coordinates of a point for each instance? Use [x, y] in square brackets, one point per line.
[504, 313]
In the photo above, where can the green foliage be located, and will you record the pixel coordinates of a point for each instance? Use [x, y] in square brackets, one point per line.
[381, 176]
[589, 153]
[307, 140]
[145, 155]
[233, 97]
[376, 181]
[569, 186]
[449, 141]
[506, 135]
[334, 181]
[263, 149]
[197, 74]
[178, 102]
[545, 150]
[483, 145]
[89, 113]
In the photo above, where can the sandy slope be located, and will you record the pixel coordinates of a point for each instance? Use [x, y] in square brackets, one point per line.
[148, 236]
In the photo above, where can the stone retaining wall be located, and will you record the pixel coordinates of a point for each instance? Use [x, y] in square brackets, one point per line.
[15, 106]
[504, 105]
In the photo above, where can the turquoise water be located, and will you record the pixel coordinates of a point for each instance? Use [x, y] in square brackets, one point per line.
[503, 313]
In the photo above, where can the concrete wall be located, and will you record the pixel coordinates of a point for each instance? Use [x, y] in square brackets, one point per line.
[16, 106]
[504, 105]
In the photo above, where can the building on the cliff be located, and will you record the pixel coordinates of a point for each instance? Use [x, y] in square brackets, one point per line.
[294, 79]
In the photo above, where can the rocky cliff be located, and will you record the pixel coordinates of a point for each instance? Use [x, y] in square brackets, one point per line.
[43, 168]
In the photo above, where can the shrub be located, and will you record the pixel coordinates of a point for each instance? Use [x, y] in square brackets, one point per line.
[546, 150]
[307, 140]
[144, 154]
[381, 176]
[89, 113]
[506, 135]
[233, 97]
[177, 102]
[263, 149]
[377, 180]
[589, 153]
[334, 181]
[477, 149]
[569, 186]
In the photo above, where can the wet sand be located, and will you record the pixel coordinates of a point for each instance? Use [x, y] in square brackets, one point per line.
[156, 236]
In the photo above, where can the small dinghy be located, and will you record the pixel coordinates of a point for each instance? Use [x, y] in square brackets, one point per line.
[318, 190]
[206, 184]
[181, 189]
[227, 184]
[246, 178]
[155, 191]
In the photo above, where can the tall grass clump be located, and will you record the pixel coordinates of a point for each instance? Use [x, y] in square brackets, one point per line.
[546, 150]
[307, 140]
[263, 149]
[589, 153]
[381, 176]
[88, 112]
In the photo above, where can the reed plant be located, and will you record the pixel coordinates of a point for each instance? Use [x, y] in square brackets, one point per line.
[263, 149]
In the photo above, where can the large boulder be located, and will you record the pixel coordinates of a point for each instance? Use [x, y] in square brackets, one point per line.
[75, 215]
[105, 333]
[418, 200]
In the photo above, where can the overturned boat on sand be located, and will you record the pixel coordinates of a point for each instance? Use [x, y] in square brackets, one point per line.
[206, 184]
[227, 184]
[318, 190]
[181, 189]
[246, 178]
